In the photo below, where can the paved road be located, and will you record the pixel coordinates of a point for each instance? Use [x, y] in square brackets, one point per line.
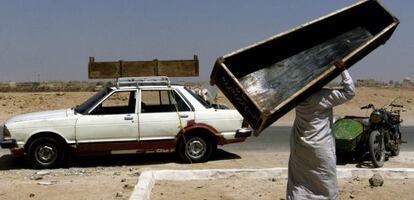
[277, 139]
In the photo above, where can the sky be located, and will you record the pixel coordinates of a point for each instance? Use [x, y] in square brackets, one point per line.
[52, 40]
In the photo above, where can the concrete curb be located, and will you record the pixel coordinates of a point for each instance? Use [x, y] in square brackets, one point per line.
[147, 179]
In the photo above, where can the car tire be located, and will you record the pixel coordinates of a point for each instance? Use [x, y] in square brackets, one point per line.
[46, 152]
[195, 149]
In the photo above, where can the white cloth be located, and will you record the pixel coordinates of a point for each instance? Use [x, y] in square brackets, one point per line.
[312, 162]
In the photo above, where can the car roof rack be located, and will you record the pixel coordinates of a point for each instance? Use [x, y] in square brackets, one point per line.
[142, 81]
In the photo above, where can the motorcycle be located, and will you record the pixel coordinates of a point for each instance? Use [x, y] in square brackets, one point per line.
[378, 135]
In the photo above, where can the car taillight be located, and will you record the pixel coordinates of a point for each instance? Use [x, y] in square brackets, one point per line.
[6, 132]
[245, 124]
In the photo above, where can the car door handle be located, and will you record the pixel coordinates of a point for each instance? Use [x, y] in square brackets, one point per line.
[183, 116]
[128, 117]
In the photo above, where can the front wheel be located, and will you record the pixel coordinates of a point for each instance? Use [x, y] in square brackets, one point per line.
[46, 152]
[195, 149]
[377, 148]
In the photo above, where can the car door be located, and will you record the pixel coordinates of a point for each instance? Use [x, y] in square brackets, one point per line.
[162, 114]
[113, 119]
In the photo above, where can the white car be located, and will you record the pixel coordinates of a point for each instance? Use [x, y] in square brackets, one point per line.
[137, 115]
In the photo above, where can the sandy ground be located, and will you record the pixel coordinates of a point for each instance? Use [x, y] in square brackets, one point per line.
[273, 189]
[67, 184]
[111, 177]
[17, 103]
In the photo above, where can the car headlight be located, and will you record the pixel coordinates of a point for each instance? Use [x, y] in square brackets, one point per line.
[6, 133]
[375, 118]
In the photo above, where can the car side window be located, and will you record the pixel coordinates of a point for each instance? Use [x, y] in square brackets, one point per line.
[153, 101]
[122, 102]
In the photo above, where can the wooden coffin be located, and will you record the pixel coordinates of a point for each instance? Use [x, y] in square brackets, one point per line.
[266, 80]
[116, 69]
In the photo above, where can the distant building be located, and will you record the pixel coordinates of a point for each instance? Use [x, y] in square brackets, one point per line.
[407, 82]
[12, 84]
[370, 83]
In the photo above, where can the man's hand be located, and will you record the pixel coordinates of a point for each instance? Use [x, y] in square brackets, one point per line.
[340, 65]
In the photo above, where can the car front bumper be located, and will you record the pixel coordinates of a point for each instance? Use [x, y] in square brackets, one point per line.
[8, 143]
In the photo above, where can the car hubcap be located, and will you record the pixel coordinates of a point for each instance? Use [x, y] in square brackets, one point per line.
[46, 153]
[196, 148]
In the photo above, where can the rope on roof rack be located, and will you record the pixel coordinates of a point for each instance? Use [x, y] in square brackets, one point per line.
[140, 81]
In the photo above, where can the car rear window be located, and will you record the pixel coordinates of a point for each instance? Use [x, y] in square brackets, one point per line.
[153, 101]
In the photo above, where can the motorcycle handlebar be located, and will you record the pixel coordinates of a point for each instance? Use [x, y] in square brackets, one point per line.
[372, 106]
[396, 105]
[367, 106]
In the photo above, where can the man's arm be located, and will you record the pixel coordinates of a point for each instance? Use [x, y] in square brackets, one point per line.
[334, 97]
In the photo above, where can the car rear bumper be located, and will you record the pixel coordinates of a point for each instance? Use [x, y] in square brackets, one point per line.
[243, 133]
[235, 137]
[8, 143]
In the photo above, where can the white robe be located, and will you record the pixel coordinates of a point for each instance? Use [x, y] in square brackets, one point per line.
[312, 162]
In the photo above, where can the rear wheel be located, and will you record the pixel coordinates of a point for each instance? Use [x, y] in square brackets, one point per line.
[195, 148]
[377, 148]
[46, 152]
[395, 150]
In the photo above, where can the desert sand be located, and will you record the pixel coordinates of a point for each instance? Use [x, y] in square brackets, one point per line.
[273, 189]
[16, 103]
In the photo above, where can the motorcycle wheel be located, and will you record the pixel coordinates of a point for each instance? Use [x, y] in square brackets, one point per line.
[396, 150]
[377, 148]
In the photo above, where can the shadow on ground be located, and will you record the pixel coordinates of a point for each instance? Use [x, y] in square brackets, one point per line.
[348, 158]
[10, 162]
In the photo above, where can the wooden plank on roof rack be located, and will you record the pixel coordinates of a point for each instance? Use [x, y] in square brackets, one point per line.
[115, 69]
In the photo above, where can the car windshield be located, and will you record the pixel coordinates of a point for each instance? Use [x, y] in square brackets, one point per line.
[84, 107]
[199, 99]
